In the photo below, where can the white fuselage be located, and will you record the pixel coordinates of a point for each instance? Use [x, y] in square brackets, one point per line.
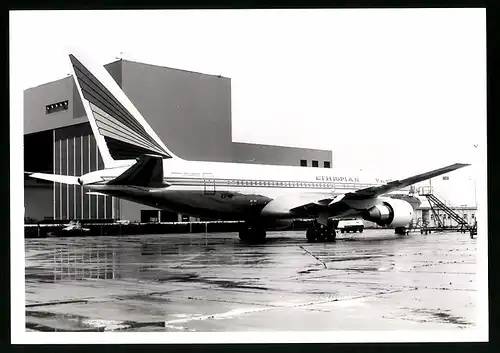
[228, 190]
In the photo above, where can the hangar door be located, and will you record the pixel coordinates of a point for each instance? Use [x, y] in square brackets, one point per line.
[209, 183]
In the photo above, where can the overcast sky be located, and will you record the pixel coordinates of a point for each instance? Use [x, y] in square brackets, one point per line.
[393, 91]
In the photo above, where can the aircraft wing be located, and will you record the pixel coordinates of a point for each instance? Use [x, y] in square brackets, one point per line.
[362, 199]
[375, 191]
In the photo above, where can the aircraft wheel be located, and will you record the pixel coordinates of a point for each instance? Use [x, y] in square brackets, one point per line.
[311, 235]
[331, 236]
[244, 234]
[257, 235]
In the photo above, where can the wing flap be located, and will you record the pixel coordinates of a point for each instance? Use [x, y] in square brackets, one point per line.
[296, 203]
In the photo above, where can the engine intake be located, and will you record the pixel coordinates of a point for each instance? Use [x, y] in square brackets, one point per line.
[390, 212]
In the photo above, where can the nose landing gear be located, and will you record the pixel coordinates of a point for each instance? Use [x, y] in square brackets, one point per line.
[402, 231]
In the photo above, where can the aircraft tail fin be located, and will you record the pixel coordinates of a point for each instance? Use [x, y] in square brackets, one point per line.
[121, 132]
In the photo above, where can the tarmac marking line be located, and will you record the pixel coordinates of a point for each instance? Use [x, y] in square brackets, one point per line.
[310, 253]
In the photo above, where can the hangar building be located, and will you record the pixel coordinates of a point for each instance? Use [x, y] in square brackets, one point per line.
[190, 112]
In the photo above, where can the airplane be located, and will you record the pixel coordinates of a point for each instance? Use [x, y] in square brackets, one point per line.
[140, 168]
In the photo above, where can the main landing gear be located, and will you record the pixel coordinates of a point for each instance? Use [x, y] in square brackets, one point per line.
[321, 233]
[254, 234]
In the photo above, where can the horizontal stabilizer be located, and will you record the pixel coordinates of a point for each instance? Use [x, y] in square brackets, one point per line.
[64, 179]
[147, 172]
[95, 193]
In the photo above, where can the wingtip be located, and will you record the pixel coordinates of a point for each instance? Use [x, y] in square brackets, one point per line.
[458, 165]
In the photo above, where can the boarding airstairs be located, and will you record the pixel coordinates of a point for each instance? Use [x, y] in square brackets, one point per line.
[438, 204]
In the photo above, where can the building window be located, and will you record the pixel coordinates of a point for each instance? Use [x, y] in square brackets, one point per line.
[303, 163]
[56, 107]
[326, 164]
[315, 164]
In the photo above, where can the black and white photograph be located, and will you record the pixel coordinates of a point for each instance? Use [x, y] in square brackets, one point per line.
[250, 175]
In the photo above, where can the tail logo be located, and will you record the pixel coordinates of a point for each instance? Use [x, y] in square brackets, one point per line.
[125, 138]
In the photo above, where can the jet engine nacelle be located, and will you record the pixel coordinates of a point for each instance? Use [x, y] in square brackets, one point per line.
[390, 212]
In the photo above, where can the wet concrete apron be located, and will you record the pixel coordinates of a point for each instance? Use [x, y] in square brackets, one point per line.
[193, 282]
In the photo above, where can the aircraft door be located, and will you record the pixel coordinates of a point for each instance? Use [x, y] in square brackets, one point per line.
[209, 183]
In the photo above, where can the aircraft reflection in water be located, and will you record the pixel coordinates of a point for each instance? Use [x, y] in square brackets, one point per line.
[163, 259]
[116, 260]
[85, 262]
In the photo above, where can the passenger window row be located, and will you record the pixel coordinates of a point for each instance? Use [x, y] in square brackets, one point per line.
[296, 184]
[279, 183]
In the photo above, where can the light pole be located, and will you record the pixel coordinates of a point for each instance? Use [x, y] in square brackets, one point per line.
[474, 178]
[475, 195]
